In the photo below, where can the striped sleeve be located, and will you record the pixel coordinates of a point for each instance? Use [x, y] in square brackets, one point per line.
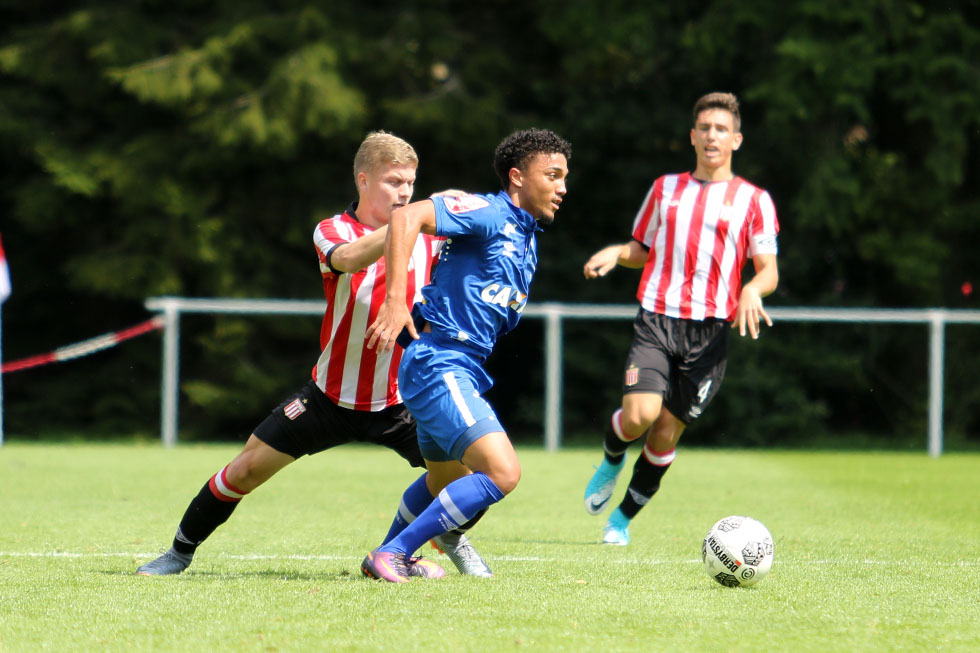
[647, 218]
[330, 234]
[764, 225]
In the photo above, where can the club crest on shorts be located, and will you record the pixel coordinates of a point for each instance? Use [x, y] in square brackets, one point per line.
[632, 375]
[294, 409]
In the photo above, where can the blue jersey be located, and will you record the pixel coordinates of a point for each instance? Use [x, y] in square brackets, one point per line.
[480, 286]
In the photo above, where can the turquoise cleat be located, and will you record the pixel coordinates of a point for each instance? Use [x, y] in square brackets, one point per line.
[617, 530]
[601, 486]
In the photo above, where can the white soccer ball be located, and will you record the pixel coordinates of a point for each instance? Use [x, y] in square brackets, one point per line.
[737, 551]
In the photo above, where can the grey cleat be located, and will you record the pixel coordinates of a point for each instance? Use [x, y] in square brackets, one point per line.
[462, 553]
[171, 562]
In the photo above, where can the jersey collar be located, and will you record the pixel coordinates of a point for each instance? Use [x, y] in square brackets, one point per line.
[352, 211]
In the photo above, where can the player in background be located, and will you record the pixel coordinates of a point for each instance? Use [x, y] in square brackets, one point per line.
[353, 394]
[477, 293]
[691, 236]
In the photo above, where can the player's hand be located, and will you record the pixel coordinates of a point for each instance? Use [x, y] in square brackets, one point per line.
[392, 318]
[602, 262]
[750, 313]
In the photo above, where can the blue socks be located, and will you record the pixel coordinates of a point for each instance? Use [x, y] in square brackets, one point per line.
[415, 499]
[459, 502]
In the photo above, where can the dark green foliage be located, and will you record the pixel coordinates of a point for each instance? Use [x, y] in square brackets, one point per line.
[189, 148]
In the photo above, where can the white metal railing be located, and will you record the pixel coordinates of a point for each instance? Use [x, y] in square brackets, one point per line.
[554, 314]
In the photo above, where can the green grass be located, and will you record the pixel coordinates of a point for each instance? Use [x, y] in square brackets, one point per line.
[874, 552]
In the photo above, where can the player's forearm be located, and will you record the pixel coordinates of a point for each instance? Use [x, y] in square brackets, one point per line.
[398, 244]
[361, 253]
[607, 258]
[632, 255]
[766, 277]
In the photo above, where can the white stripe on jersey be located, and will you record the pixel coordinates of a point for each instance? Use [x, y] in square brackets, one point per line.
[699, 283]
[685, 207]
[739, 213]
[355, 341]
[337, 306]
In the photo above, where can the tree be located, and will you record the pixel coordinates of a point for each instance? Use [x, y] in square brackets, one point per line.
[189, 148]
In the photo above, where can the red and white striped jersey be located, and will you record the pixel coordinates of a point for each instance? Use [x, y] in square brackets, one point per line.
[350, 374]
[699, 236]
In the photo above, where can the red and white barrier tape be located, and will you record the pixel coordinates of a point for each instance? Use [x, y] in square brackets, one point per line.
[85, 347]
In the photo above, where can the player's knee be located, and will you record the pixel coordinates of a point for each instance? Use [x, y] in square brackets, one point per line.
[665, 433]
[637, 421]
[247, 472]
[506, 477]
[240, 473]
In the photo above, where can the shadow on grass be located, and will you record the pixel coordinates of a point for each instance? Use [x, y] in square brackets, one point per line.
[345, 575]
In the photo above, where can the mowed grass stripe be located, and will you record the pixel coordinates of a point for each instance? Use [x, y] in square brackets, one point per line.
[874, 551]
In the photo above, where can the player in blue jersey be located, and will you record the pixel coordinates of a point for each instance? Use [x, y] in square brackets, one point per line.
[477, 292]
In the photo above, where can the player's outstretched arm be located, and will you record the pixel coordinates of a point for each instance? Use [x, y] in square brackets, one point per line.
[750, 309]
[394, 314]
[629, 255]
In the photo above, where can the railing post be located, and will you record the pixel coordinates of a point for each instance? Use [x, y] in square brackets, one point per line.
[1, 382]
[170, 390]
[937, 346]
[553, 380]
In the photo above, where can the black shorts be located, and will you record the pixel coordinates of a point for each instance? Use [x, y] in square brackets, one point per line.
[308, 423]
[682, 360]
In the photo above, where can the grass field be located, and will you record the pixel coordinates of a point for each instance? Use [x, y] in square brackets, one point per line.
[874, 552]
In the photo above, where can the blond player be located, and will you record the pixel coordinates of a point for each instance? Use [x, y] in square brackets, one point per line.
[353, 394]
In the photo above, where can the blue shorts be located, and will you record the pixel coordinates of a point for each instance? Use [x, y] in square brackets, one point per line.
[441, 387]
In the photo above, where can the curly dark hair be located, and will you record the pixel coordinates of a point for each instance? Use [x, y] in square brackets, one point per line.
[519, 148]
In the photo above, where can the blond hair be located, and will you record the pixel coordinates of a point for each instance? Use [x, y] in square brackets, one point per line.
[726, 101]
[380, 149]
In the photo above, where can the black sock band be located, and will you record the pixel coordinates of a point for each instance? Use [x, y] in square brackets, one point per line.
[645, 481]
[204, 514]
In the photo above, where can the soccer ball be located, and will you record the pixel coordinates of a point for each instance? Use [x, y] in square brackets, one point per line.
[737, 551]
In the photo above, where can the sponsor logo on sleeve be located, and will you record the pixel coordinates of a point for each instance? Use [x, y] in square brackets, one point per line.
[465, 204]
[766, 242]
